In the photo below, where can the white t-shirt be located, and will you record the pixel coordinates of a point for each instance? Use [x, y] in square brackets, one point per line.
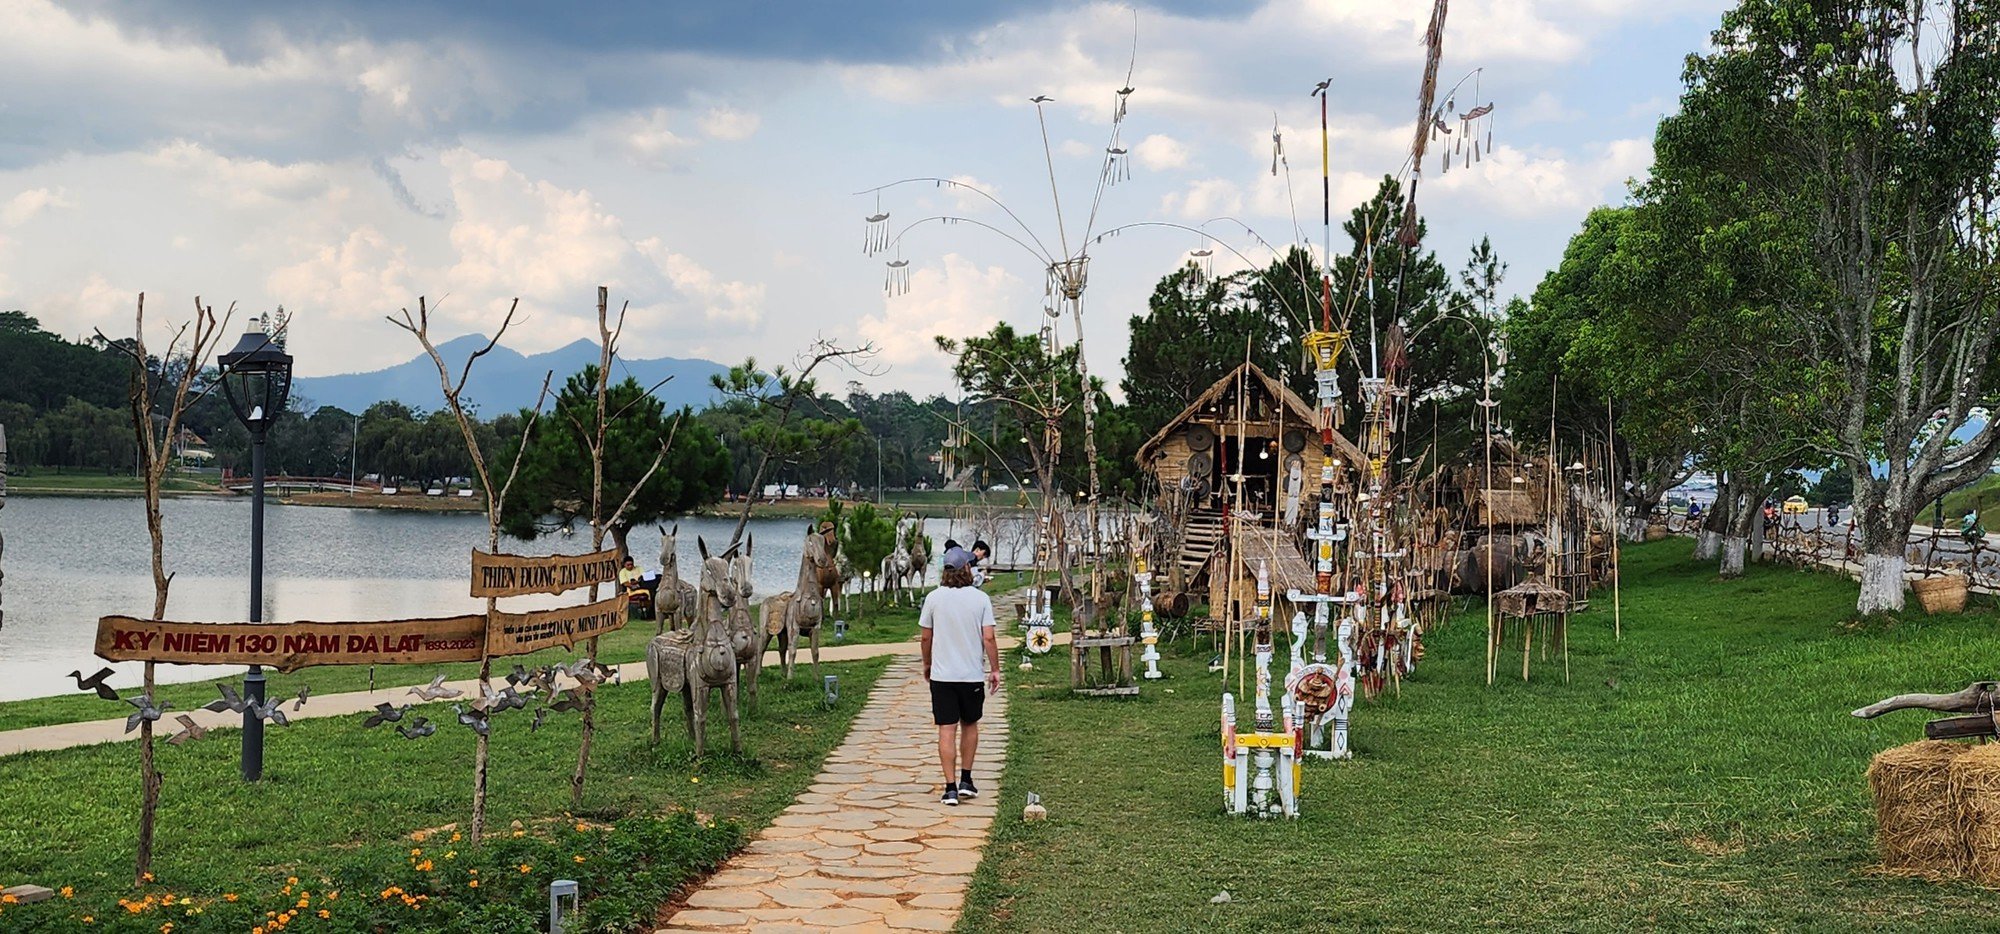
[958, 618]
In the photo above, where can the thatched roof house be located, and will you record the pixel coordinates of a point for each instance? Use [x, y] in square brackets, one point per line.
[1273, 432]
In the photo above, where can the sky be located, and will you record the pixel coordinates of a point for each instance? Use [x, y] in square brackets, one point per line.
[702, 159]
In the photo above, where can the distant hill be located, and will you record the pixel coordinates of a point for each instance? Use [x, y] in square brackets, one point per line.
[504, 380]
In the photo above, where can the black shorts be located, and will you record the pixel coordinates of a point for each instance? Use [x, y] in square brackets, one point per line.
[957, 701]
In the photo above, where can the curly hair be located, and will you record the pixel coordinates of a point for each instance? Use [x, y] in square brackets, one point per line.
[956, 577]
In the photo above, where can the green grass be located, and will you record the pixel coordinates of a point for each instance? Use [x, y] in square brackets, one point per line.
[1702, 774]
[872, 626]
[29, 484]
[1983, 493]
[336, 792]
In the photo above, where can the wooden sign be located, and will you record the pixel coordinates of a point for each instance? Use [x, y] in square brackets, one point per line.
[513, 575]
[290, 646]
[522, 633]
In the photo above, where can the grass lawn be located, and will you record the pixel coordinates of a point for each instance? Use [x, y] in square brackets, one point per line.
[873, 625]
[1701, 774]
[1983, 494]
[336, 792]
[29, 484]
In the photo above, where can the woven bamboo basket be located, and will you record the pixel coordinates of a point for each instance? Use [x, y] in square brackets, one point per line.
[1944, 593]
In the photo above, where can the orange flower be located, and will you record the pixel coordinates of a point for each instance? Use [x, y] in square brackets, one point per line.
[167, 928]
[330, 896]
[455, 837]
[89, 919]
[416, 851]
[9, 899]
[146, 877]
[229, 896]
[577, 858]
[424, 866]
[525, 867]
[473, 884]
[294, 880]
[68, 892]
[325, 914]
[420, 836]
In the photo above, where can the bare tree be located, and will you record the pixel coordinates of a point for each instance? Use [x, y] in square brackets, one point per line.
[161, 392]
[496, 496]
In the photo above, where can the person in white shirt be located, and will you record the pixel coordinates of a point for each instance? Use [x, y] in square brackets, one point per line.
[961, 662]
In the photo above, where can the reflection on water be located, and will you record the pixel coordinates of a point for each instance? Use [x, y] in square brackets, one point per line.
[71, 560]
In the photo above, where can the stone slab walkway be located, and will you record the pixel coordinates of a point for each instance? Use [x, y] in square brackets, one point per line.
[868, 847]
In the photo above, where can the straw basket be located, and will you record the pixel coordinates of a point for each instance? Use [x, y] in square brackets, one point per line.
[1975, 786]
[1656, 532]
[1944, 593]
[1917, 818]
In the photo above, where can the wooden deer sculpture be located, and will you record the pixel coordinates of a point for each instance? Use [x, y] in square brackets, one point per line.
[698, 660]
[675, 602]
[796, 614]
[918, 546]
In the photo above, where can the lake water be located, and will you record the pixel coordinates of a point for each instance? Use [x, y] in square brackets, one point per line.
[70, 560]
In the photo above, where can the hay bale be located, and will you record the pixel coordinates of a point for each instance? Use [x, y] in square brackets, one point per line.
[1975, 787]
[1917, 815]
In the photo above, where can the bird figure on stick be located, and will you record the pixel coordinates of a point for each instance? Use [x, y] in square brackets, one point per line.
[96, 683]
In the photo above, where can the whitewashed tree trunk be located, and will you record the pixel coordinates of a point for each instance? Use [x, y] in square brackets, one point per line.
[1707, 545]
[1881, 583]
[1733, 548]
[1632, 528]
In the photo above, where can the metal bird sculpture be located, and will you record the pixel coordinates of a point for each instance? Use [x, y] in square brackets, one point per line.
[273, 711]
[541, 713]
[146, 710]
[385, 713]
[305, 691]
[520, 676]
[228, 701]
[436, 690]
[189, 730]
[571, 702]
[417, 728]
[510, 699]
[476, 719]
[1041, 99]
[95, 683]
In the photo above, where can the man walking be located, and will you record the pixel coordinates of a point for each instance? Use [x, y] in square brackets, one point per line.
[962, 663]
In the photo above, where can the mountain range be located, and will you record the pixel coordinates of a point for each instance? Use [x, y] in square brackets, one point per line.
[504, 380]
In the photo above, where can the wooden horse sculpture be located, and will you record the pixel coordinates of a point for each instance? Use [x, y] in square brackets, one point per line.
[675, 602]
[796, 614]
[919, 547]
[828, 578]
[697, 660]
[745, 638]
[896, 567]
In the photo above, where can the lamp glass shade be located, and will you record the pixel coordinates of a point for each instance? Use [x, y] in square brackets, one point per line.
[257, 379]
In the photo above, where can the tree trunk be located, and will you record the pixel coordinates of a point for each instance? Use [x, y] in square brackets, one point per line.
[1733, 547]
[619, 531]
[1881, 582]
[1707, 544]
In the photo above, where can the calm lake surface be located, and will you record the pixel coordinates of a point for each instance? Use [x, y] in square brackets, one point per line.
[70, 560]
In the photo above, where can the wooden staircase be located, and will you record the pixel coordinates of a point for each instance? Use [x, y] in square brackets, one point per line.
[1203, 536]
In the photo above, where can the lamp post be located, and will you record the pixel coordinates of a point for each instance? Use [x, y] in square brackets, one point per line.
[353, 450]
[878, 468]
[256, 377]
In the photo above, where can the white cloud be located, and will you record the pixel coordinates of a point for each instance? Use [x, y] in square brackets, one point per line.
[1524, 183]
[1160, 151]
[954, 298]
[727, 123]
[647, 139]
[1203, 199]
[23, 207]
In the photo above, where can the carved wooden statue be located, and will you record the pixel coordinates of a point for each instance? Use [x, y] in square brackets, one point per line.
[830, 576]
[698, 660]
[745, 638]
[795, 615]
[675, 602]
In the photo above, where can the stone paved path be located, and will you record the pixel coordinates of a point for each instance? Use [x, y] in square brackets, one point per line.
[868, 847]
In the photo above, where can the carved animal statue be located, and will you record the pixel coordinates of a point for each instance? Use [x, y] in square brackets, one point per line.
[918, 545]
[829, 573]
[897, 568]
[795, 615]
[676, 599]
[698, 660]
[746, 639]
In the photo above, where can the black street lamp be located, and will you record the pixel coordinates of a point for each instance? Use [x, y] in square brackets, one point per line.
[256, 376]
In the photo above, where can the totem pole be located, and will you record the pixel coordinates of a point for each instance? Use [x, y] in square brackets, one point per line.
[1148, 635]
[1318, 689]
